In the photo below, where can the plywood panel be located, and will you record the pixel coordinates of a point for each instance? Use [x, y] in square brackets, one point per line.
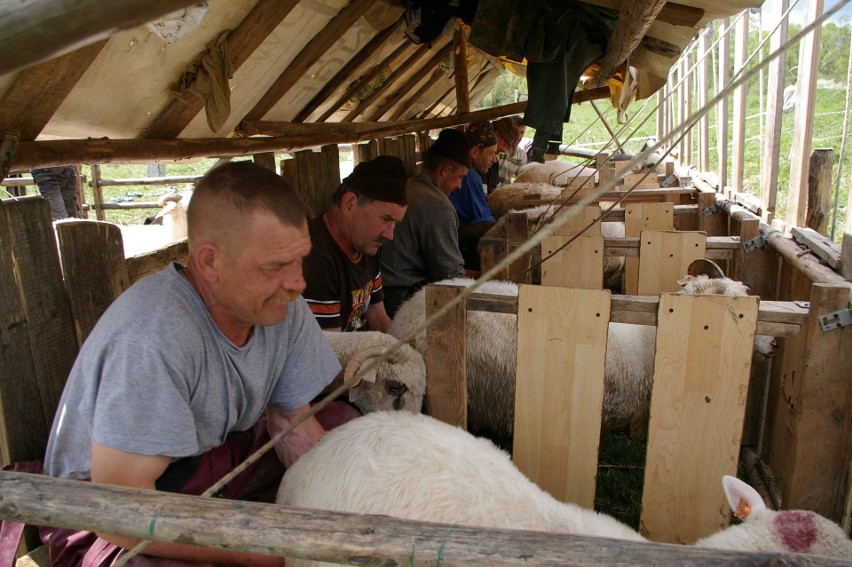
[446, 357]
[559, 390]
[639, 217]
[664, 257]
[701, 371]
[579, 264]
[641, 181]
[580, 220]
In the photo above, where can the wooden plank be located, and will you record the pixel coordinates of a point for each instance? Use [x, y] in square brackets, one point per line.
[821, 403]
[145, 264]
[820, 245]
[582, 219]
[819, 190]
[265, 159]
[28, 31]
[491, 252]
[517, 233]
[577, 265]
[92, 257]
[701, 369]
[640, 181]
[7, 152]
[52, 80]
[664, 257]
[345, 73]
[446, 358]
[404, 107]
[308, 56]
[317, 176]
[774, 103]
[846, 242]
[559, 391]
[639, 217]
[40, 306]
[714, 224]
[724, 59]
[803, 125]
[703, 90]
[242, 41]
[739, 103]
[328, 536]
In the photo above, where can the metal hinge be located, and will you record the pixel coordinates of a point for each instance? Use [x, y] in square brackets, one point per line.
[711, 210]
[755, 243]
[835, 320]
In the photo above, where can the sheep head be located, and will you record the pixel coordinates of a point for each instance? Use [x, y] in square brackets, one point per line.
[379, 386]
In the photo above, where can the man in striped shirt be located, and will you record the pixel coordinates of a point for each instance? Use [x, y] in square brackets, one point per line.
[342, 270]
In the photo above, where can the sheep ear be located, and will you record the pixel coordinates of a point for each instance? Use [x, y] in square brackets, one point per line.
[368, 378]
[742, 498]
[706, 267]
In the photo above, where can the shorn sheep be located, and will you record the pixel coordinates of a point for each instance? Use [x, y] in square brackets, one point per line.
[554, 172]
[491, 352]
[415, 467]
[397, 383]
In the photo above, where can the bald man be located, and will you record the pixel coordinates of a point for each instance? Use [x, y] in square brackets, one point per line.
[173, 380]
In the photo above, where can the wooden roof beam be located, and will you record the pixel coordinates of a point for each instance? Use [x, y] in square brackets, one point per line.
[348, 69]
[437, 74]
[366, 78]
[309, 55]
[411, 82]
[241, 43]
[634, 20]
[51, 81]
[38, 30]
[405, 67]
[460, 58]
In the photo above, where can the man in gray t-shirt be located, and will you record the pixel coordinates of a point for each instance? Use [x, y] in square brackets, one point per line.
[180, 369]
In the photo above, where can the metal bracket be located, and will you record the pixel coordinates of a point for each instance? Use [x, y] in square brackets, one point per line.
[835, 320]
[755, 243]
[803, 304]
[711, 210]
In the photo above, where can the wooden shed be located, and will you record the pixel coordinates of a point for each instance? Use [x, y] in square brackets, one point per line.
[173, 80]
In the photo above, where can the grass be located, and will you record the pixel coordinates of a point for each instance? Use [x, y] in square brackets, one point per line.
[621, 473]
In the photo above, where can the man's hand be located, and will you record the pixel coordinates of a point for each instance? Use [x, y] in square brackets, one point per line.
[297, 442]
[377, 317]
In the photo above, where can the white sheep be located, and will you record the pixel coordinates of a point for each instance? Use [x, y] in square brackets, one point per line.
[397, 383]
[517, 196]
[798, 531]
[169, 226]
[416, 467]
[555, 172]
[491, 362]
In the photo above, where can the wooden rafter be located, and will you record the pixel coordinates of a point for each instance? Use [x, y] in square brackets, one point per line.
[436, 76]
[306, 58]
[38, 30]
[410, 83]
[404, 68]
[241, 43]
[53, 80]
[345, 72]
[366, 78]
[460, 57]
[634, 19]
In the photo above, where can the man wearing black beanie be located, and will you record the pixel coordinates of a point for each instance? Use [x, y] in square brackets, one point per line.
[426, 246]
[343, 270]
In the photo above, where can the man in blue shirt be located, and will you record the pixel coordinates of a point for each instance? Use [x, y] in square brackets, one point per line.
[475, 217]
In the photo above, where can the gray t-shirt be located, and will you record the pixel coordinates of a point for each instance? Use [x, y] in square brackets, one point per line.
[157, 377]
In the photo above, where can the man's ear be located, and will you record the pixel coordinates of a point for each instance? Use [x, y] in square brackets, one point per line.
[208, 258]
[348, 201]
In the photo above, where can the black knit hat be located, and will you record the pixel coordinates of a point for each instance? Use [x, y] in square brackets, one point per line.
[481, 134]
[380, 179]
[453, 145]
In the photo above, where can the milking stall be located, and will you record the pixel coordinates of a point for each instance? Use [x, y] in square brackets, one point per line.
[591, 250]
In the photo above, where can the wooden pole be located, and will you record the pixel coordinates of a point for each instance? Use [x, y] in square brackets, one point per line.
[797, 199]
[722, 107]
[703, 90]
[739, 103]
[846, 246]
[634, 20]
[460, 57]
[38, 30]
[328, 536]
[774, 102]
[819, 189]
[97, 192]
[7, 153]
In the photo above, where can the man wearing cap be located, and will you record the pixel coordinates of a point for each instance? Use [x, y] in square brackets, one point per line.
[514, 156]
[507, 138]
[425, 247]
[342, 271]
[475, 216]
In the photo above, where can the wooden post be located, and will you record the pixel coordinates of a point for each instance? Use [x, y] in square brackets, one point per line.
[738, 149]
[722, 107]
[7, 150]
[846, 247]
[703, 90]
[774, 102]
[97, 192]
[460, 58]
[797, 199]
[819, 190]
[265, 159]
[446, 357]
[661, 117]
